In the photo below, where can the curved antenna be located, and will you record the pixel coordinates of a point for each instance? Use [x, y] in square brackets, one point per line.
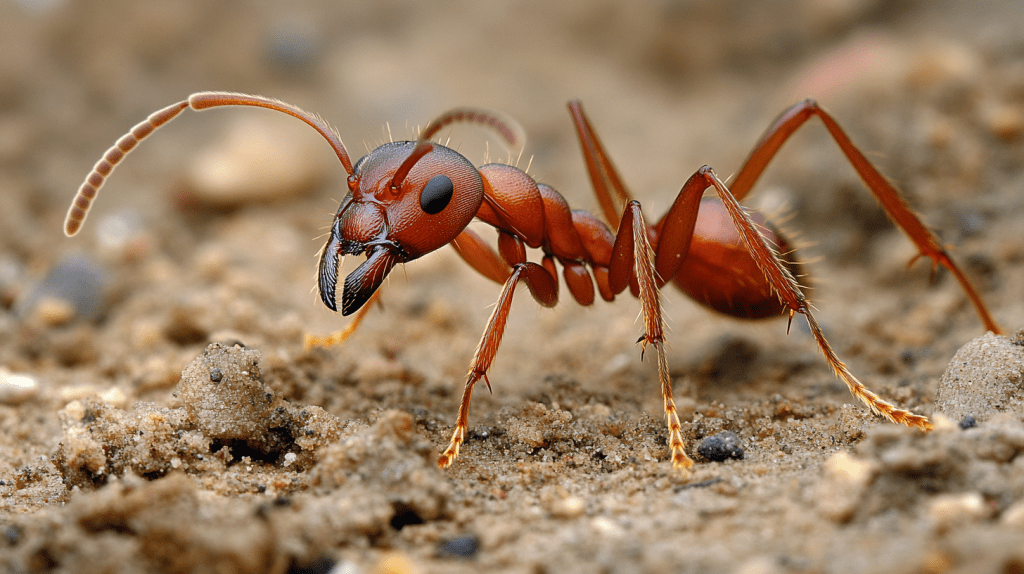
[422, 148]
[199, 101]
[508, 129]
[204, 100]
[82, 202]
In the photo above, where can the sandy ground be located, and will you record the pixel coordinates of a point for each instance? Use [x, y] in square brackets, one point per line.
[265, 457]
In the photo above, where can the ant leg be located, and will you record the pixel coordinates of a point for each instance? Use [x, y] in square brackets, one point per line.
[338, 337]
[479, 255]
[674, 232]
[789, 293]
[632, 255]
[544, 288]
[895, 207]
[603, 176]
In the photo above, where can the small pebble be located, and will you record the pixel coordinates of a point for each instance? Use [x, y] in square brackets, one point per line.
[568, 507]
[941, 422]
[16, 388]
[396, 564]
[721, 446]
[606, 527]
[853, 472]
[985, 377]
[12, 535]
[845, 480]
[947, 510]
[53, 311]
[968, 422]
[944, 64]
[114, 397]
[74, 287]
[458, 547]
[1004, 122]
[1014, 515]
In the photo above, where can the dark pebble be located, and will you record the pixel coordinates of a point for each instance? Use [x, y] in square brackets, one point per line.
[721, 446]
[77, 280]
[12, 535]
[320, 566]
[968, 422]
[459, 547]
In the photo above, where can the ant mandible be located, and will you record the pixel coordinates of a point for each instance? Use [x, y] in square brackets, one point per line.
[406, 199]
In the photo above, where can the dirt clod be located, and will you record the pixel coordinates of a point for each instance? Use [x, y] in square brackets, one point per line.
[985, 377]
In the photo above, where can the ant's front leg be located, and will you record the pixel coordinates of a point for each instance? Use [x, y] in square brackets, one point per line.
[544, 287]
[311, 341]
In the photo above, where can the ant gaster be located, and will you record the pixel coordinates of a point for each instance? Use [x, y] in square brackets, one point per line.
[406, 199]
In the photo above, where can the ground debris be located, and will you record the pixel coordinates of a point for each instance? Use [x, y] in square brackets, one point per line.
[366, 489]
[228, 413]
[938, 475]
[985, 377]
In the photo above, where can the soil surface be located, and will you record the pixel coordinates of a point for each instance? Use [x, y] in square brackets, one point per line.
[159, 412]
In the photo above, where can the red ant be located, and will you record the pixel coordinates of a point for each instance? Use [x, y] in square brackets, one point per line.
[409, 198]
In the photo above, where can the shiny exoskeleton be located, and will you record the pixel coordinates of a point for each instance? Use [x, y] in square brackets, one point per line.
[406, 199]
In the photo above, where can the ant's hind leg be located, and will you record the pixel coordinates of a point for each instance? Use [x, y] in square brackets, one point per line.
[894, 205]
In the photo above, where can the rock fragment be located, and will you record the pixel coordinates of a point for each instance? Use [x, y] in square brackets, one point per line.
[17, 388]
[985, 377]
[721, 447]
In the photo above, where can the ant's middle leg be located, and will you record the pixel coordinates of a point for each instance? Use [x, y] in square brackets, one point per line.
[633, 260]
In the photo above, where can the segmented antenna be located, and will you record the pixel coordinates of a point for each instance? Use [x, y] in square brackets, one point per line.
[199, 101]
[80, 206]
[508, 129]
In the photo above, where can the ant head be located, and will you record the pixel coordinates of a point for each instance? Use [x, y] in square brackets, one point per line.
[405, 200]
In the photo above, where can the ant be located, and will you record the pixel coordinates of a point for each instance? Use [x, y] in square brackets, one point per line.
[408, 198]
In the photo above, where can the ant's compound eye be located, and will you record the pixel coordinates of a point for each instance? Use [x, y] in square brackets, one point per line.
[436, 194]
